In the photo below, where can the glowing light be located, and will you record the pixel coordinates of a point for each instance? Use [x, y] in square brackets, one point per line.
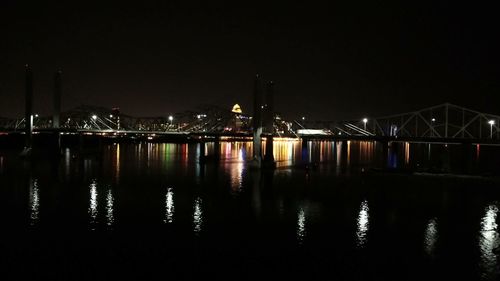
[197, 216]
[237, 109]
[93, 204]
[170, 118]
[365, 120]
[94, 117]
[301, 226]
[488, 241]
[491, 122]
[431, 236]
[433, 119]
[111, 116]
[303, 118]
[110, 219]
[363, 224]
[169, 202]
[34, 202]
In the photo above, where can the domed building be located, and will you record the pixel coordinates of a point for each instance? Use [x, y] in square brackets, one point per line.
[236, 122]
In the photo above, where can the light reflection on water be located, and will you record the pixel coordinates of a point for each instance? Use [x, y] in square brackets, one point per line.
[169, 206]
[363, 225]
[197, 216]
[34, 201]
[488, 242]
[301, 226]
[110, 219]
[93, 204]
[431, 236]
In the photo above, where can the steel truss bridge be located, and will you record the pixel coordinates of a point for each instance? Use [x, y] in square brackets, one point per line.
[445, 122]
[209, 120]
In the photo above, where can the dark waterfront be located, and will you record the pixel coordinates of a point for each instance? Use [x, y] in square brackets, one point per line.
[152, 211]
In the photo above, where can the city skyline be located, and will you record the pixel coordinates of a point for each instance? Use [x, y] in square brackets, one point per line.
[329, 62]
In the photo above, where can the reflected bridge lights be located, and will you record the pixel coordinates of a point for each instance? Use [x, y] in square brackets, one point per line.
[362, 225]
[169, 206]
[489, 240]
[301, 226]
[34, 202]
[431, 236]
[197, 216]
[110, 219]
[93, 204]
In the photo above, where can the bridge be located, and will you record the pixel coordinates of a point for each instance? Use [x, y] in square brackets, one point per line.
[441, 123]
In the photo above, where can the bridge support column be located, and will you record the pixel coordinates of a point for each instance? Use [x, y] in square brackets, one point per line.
[257, 123]
[201, 158]
[305, 152]
[385, 154]
[28, 116]
[57, 100]
[217, 149]
[28, 112]
[269, 157]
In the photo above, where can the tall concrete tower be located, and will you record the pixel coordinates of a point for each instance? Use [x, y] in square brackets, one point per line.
[257, 120]
[269, 125]
[28, 109]
[56, 117]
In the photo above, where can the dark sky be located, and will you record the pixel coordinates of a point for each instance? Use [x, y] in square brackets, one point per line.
[329, 61]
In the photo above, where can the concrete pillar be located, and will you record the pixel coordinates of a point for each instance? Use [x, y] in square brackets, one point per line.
[57, 100]
[257, 120]
[28, 116]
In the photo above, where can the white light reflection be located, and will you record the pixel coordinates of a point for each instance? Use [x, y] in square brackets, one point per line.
[488, 242]
[110, 219]
[67, 162]
[363, 224]
[431, 236]
[93, 204]
[301, 226]
[34, 201]
[197, 216]
[169, 216]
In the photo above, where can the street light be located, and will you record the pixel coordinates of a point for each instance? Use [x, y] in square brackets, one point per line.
[94, 117]
[491, 122]
[432, 126]
[303, 118]
[171, 118]
[365, 120]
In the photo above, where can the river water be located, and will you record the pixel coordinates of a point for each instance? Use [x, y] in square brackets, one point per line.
[154, 211]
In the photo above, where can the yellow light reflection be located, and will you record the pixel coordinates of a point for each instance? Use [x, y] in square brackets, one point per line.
[407, 152]
[348, 160]
[117, 164]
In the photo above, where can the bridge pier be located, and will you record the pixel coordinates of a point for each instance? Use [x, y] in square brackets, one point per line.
[28, 112]
[57, 100]
[385, 153]
[269, 157]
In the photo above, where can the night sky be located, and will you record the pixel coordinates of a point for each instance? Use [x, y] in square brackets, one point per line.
[329, 62]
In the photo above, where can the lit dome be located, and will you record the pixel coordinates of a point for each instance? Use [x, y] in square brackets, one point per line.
[237, 109]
